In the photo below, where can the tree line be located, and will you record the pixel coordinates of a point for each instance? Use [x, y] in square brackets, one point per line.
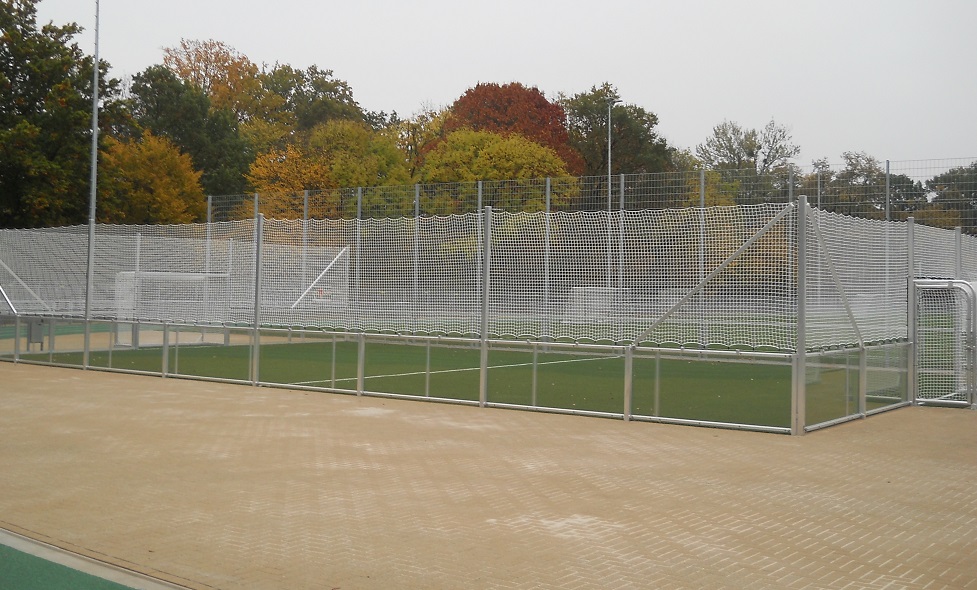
[209, 121]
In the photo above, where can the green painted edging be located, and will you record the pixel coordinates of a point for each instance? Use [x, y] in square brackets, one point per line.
[22, 571]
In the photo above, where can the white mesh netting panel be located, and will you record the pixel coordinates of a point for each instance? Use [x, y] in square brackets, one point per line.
[187, 273]
[720, 276]
[612, 277]
[934, 253]
[400, 275]
[305, 273]
[714, 277]
[968, 246]
[856, 280]
[42, 271]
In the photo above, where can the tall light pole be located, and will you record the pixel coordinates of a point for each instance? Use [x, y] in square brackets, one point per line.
[89, 285]
[611, 101]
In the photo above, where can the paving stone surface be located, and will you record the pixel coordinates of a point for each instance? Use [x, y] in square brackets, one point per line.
[217, 486]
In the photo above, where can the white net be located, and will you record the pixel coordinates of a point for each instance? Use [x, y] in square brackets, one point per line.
[857, 281]
[943, 359]
[719, 277]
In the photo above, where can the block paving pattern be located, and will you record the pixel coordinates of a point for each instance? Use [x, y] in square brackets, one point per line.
[217, 486]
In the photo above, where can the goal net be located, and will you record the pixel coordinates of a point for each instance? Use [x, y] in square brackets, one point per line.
[589, 304]
[174, 296]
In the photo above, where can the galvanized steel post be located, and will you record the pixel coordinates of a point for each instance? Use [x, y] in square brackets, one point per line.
[486, 292]
[799, 389]
[256, 334]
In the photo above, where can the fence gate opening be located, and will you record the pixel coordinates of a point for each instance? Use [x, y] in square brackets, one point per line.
[945, 343]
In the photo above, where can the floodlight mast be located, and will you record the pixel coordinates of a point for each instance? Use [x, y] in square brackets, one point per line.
[89, 286]
[611, 101]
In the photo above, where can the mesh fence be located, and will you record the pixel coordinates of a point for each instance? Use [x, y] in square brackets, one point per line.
[857, 280]
[938, 193]
[721, 277]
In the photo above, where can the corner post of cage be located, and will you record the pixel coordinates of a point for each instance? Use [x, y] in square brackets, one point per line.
[911, 303]
[486, 292]
[207, 238]
[257, 208]
[862, 379]
[702, 335]
[479, 206]
[610, 232]
[799, 389]
[256, 335]
[89, 292]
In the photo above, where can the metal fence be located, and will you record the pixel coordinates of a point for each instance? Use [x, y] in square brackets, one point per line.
[813, 303]
[941, 193]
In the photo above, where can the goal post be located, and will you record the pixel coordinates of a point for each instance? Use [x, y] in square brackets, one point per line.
[588, 304]
[155, 296]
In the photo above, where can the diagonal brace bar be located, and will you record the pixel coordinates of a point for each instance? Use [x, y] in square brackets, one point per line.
[319, 278]
[7, 299]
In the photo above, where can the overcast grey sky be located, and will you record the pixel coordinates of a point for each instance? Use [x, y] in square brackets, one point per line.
[894, 78]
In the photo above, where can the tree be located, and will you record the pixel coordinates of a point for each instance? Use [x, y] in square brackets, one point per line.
[636, 146]
[467, 156]
[859, 188]
[956, 189]
[312, 96]
[228, 78]
[731, 147]
[356, 155]
[419, 134]
[171, 108]
[147, 180]
[45, 119]
[514, 108]
[759, 161]
[281, 175]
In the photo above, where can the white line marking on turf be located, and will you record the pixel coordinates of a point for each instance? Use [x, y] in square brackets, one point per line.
[601, 358]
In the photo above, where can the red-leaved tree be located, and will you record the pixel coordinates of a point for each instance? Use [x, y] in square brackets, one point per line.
[514, 108]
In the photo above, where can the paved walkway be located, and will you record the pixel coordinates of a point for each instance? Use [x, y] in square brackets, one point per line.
[230, 487]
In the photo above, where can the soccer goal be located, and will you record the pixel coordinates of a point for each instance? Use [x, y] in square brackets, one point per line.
[945, 335]
[184, 297]
[592, 304]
